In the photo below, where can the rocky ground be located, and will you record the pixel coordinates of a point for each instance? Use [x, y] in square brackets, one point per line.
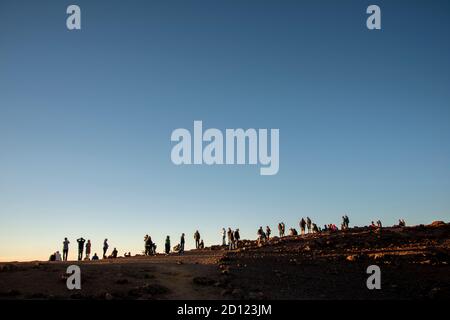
[414, 263]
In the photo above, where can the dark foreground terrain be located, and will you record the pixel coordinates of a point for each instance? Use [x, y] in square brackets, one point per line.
[414, 262]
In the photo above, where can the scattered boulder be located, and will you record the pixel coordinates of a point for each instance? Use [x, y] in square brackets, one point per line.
[437, 224]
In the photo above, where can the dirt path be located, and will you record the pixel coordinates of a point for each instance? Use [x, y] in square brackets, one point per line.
[158, 277]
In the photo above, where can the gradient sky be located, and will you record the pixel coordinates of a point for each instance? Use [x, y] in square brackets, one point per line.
[86, 117]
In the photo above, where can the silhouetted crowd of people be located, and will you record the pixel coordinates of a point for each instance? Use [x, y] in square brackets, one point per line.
[230, 239]
[84, 248]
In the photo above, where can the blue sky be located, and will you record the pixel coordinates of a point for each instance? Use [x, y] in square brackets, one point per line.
[86, 117]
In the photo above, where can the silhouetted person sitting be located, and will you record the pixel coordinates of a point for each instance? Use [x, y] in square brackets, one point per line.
[58, 256]
[114, 253]
[315, 229]
[95, 256]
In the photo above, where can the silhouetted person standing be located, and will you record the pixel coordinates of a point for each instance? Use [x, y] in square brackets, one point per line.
[224, 235]
[379, 227]
[237, 237]
[197, 239]
[81, 242]
[167, 245]
[88, 249]
[182, 243]
[308, 224]
[105, 248]
[261, 236]
[148, 245]
[268, 232]
[302, 226]
[230, 238]
[65, 249]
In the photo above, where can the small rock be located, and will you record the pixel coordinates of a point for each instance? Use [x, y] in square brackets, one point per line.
[434, 293]
[122, 281]
[10, 293]
[155, 289]
[135, 292]
[38, 295]
[203, 281]
[352, 258]
[76, 296]
[225, 292]
[108, 296]
[237, 293]
[256, 295]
